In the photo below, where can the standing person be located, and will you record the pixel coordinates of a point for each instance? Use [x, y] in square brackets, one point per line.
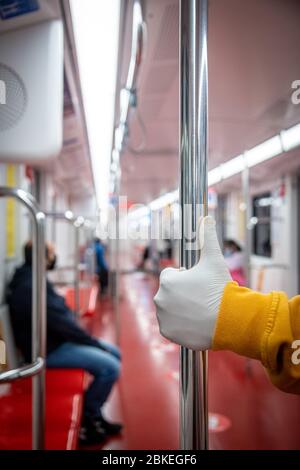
[234, 258]
[68, 345]
[101, 265]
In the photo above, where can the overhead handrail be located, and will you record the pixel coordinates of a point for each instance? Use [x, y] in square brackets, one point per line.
[137, 45]
[127, 99]
[128, 93]
[37, 367]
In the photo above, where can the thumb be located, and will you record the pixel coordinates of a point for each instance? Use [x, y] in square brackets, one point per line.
[207, 234]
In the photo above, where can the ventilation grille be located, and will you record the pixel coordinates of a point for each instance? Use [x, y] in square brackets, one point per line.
[13, 98]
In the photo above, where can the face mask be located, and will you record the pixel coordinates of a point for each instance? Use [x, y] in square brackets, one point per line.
[51, 264]
[227, 252]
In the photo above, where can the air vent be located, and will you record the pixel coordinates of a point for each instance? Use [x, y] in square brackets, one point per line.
[13, 98]
[168, 36]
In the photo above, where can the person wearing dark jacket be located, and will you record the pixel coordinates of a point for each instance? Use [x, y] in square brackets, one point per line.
[68, 345]
[101, 265]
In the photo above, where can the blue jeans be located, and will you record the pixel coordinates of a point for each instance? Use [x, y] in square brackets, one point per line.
[103, 365]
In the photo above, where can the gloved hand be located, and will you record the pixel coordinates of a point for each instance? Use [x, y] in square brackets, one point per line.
[188, 301]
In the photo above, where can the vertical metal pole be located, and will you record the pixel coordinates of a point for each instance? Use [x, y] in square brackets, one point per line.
[117, 266]
[53, 227]
[247, 227]
[193, 199]
[39, 320]
[38, 331]
[76, 269]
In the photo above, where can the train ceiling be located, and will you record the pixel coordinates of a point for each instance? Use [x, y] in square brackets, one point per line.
[253, 60]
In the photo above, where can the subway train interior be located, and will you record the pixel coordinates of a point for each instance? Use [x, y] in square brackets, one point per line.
[98, 102]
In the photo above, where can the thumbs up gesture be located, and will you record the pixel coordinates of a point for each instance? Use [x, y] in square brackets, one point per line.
[188, 301]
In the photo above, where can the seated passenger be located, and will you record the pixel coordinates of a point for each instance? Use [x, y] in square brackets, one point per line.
[68, 345]
[101, 265]
[234, 258]
[201, 308]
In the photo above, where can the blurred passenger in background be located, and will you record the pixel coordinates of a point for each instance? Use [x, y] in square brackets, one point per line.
[101, 265]
[146, 255]
[169, 249]
[68, 345]
[234, 258]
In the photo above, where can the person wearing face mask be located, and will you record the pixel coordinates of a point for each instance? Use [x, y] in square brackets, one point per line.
[68, 345]
[234, 258]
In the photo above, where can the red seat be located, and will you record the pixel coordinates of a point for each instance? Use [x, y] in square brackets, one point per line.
[91, 310]
[87, 299]
[64, 398]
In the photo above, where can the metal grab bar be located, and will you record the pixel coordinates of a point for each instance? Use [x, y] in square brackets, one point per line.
[138, 31]
[193, 194]
[78, 224]
[22, 372]
[36, 368]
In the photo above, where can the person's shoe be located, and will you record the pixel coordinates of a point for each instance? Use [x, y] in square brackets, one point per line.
[91, 432]
[109, 428]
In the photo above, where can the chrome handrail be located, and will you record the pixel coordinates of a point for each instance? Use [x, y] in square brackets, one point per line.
[36, 369]
[193, 194]
[137, 45]
[78, 224]
[29, 370]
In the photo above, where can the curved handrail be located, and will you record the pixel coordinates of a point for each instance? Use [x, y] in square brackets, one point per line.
[22, 372]
[127, 95]
[36, 368]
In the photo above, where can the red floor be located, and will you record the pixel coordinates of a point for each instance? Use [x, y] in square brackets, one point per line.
[247, 412]
[146, 399]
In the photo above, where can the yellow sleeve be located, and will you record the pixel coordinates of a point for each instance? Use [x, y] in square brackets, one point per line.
[263, 327]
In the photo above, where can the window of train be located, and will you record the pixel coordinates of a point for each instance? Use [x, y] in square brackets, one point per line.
[262, 228]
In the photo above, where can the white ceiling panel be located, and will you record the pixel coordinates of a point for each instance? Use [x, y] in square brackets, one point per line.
[253, 59]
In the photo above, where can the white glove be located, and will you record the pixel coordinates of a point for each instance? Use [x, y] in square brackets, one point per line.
[188, 301]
